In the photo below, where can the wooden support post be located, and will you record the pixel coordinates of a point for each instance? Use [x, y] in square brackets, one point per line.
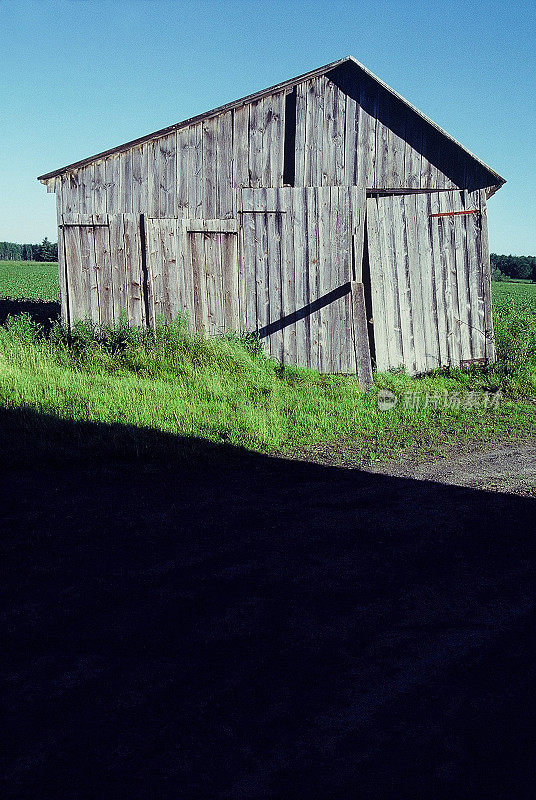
[360, 333]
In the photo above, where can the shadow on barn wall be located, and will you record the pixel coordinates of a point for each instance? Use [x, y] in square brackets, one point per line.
[200, 621]
[394, 114]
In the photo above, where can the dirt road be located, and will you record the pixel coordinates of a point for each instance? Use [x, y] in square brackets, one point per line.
[503, 467]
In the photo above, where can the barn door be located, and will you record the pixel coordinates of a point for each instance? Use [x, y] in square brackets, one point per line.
[101, 268]
[212, 252]
[192, 268]
[299, 286]
[429, 276]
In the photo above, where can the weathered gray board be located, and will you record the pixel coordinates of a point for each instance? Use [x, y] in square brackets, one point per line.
[429, 280]
[192, 269]
[348, 129]
[285, 268]
[297, 265]
[189, 173]
[100, 262]
[289, 268]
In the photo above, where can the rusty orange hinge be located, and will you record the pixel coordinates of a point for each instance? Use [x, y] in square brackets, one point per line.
[455, 213]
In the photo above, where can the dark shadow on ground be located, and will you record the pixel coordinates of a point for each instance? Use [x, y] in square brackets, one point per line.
[203, 622]
[43, 311]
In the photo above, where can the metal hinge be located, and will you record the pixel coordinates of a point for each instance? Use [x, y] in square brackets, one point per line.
[455, 213]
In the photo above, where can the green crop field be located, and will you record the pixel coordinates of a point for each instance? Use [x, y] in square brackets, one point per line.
[30, 279]
[517, 291]
[223, 390]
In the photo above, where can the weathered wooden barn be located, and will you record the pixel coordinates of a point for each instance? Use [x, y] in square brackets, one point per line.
[326, 213]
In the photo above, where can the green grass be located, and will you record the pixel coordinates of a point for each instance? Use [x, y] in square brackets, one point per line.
[223, 390]
[31, 279]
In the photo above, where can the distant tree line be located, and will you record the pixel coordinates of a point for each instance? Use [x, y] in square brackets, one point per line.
[523, 267]
[46, 251]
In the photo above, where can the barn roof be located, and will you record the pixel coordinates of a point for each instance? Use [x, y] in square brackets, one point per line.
[288, 84]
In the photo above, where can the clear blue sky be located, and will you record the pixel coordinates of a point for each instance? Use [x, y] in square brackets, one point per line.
[78, 77]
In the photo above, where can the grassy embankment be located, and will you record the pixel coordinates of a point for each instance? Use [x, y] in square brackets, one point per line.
[222, 390]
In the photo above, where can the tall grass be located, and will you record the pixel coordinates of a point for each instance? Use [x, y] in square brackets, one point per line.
[227, 390]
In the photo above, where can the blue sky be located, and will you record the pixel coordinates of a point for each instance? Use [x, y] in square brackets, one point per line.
[79, 76]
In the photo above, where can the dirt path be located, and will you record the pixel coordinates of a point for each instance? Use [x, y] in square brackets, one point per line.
[504, 467]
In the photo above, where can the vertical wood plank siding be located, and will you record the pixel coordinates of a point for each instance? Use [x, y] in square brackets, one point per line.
[430, 280]
[349, 131]
[296, 259]
[65, 289]
[354, 132]
[189, 173]
[102, 268]
[192, 271]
